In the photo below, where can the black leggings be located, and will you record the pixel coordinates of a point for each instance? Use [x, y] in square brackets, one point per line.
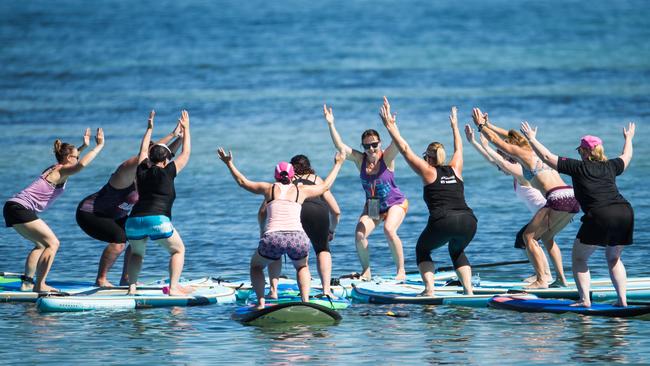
[102, 228]
[315, 221]
[457, 229]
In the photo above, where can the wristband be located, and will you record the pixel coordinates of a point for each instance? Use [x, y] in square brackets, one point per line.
[480, 127]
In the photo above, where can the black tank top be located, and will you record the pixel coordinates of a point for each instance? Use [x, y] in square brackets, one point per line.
[316, 200]
[447, 193]
[156, 190]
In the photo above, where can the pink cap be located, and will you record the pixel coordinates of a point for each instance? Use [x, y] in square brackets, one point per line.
[589, 142]
[283, 167]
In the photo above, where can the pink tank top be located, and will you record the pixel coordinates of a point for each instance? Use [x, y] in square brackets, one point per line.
[283, 214]
[39, 195]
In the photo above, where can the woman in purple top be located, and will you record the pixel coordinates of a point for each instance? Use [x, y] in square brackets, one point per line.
[384, 200]
[608, 220]
[103, 214]
[20, 211]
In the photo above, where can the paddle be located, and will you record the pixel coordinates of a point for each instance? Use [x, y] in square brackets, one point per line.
[482, 265]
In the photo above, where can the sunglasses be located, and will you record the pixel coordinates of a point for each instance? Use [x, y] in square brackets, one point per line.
[374, 145]
[75, 156]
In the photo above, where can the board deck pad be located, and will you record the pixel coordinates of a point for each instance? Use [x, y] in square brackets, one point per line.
[284, 313]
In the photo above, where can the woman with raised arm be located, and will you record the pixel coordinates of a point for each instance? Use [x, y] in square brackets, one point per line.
[102, 215]
[20, 211]
[531, 197]
[560, 206]
[451, 221]
[319, 217]
[384, 200]
[608, 219]
[151, 216]
[283, 233]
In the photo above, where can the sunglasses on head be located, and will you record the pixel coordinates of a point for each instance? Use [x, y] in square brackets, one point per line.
[374, 145]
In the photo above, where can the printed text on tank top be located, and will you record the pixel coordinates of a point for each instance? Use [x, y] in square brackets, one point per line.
[538, 167]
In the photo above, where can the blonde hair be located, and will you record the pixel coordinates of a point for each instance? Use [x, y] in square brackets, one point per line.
[436, 151]
[62, 150]
[516, 138]
[595, 154]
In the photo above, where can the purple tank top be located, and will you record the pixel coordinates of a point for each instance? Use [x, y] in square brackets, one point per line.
[40, 194]
[381, 185]
[110, 202]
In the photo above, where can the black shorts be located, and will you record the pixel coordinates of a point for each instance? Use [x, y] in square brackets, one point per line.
[315, 221]
[608, 226]
[519, 238]
[15, 213]
[457, 229]
[102, 228]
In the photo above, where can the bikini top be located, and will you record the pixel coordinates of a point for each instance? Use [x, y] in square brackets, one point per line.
[538, 167]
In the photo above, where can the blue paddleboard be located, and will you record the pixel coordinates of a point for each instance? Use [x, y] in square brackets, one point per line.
[562, 306]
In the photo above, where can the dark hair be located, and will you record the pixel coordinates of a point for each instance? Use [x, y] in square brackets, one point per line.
[301, 165]
[370, 132]
[62, 150]
[159, 154]
[284, 178]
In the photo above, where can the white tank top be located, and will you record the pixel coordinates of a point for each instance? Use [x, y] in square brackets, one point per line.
[283, 214]
[532, 197]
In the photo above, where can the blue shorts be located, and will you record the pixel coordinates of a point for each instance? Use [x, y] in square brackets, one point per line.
[152, 227]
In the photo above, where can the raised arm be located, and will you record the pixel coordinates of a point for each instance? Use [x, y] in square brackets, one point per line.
[334, 210]
[182, 159]
[502, 132]
[504, 165]
[242, 181]
[544, 154]
[83, 162]
[416, 163]
[352, 154]
[86, 140]
[318, 189]
[144, 144]
[457, 159]
[469, 134]
[627, 148]
[177, 132]
[480, 121]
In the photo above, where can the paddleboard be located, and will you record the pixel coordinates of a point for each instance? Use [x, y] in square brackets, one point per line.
[332, 303]
[634, 292]
[383, 293]
[145, 298]
[288, 312]
[562, 306]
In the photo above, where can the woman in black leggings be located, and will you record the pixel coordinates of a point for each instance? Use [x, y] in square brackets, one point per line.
[450, 219]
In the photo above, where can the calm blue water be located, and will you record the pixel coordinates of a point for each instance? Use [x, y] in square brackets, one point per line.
[254, 76]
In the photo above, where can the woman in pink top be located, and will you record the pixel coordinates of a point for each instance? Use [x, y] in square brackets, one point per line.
[20, 211]
[283, 233]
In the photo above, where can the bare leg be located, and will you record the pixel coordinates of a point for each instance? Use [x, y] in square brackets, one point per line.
[394, 219]
[124, 279]
[108, 258]
[258, 263]
[303, 277]
[617, 273]
[324, 265]
[275, 269]
[365, 226]
[30, 266]
[547, 269]
[176, 248]
[426, 271]
[138, 248]
[42, 236]
[558, 221]
[464, 272]
[579, 257]
[535, 229]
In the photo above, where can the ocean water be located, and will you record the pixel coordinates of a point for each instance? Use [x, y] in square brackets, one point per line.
[254, 76]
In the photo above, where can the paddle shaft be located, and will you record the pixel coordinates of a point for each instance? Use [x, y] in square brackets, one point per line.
[482, 265]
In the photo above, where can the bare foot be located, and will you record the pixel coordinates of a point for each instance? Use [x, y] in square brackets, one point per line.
[179, 290]
[530, 279]
[400, 276]
[26, 286]
[584, 304]
[103, 283]
[272, 295]
[426, 293]
[619, 304]
[132, 290]
[44, 288]
[365, 275]
[537, 284]
[560, 282]
[260, 304]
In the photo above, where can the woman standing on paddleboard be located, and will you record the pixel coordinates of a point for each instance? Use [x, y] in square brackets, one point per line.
[283, 233]
[560, 206]
[608, 219]
[150, 218]
[319, 217]
[384, 200]
[102, 215]
[20, 211]
[530, 196]
[450, 219]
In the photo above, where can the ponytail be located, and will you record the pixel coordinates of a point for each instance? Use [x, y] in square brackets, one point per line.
[62, 150]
